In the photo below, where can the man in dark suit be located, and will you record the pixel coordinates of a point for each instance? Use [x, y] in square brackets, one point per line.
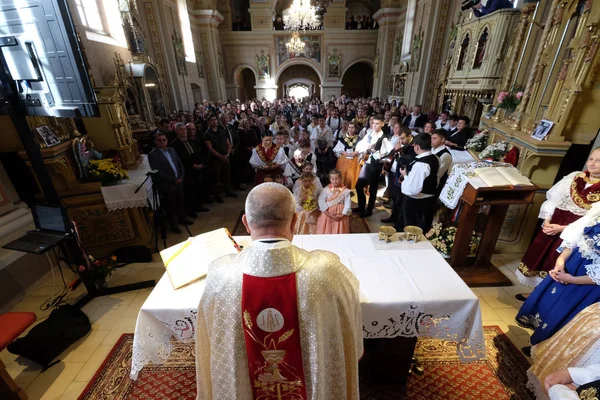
[415, 121]
[190, 156]
[479, 10]
[168, 181]
[457, 140]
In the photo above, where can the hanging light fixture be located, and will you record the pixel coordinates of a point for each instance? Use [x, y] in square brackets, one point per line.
[295, 45]
[301, 16]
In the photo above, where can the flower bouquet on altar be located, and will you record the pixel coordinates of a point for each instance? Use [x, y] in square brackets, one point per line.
[97, 270]
[478, 142]
[494, 151]
[510, 100]
[442, 239]
[107, 171]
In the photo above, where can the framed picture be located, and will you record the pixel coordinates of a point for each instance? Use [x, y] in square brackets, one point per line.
[47, 136]
[542, 130]
[490, 113]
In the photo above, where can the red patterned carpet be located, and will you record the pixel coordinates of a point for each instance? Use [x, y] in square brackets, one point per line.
[357, 225]
[500, 377]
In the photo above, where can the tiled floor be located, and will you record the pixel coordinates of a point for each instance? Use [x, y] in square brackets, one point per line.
[113, 315]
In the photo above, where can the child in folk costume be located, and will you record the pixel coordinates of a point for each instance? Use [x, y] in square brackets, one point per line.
[293, 169]
[334, 203]
[308, 167]
[267, 158]
[348, 160]
[307, 207]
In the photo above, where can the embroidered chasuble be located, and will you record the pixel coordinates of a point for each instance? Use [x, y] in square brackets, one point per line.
[278, 322]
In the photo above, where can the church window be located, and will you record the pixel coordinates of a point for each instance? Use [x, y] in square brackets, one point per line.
[481, 45]
[462, 53]
[186, 32]
[89, 12]
[411, 10]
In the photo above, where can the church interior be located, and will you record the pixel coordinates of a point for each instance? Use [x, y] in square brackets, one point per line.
[132, 126]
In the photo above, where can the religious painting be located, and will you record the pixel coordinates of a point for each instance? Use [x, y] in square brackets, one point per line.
[480, 53]
[262, 62]
[199, 62]
[221, 64]
[311, 51]
[416, 51]
[490, 113]
[48, 136]
[398, 49]
[178, 46]
[399, 83]
[542, 130]
[334, 62]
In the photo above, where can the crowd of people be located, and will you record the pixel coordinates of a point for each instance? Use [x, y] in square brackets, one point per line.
[320, 151]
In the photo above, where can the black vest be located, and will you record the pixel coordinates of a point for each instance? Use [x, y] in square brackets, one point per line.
[430, 184]
[444, 177]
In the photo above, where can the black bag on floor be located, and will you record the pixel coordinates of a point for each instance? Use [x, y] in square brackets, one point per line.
[132, 254]
[65, 325]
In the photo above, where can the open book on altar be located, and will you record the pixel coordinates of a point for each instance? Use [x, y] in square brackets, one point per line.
[502, 176]
[188, 261]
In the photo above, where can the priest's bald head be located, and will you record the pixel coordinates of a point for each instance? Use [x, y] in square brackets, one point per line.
[270, 212]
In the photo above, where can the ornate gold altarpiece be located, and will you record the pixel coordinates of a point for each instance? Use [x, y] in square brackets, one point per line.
[560, 73]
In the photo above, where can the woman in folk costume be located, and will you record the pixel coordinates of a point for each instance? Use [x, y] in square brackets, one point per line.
[576, 345]
[293, 169]
[567, 201]
[307, 207]
[572, 285]
[334, 203]
[348, 160]
[267, 158]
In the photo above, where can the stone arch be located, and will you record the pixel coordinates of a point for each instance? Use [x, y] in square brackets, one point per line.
[357, 78]
[238, 70]
[367, 61]
[298, 61]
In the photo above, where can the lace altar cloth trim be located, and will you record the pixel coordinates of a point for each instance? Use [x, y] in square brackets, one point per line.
[460, 176]
[153, 332]
[123, 195]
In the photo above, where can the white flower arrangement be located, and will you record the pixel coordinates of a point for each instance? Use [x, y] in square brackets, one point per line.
[495, 151]
[442, 239]
[478, 142]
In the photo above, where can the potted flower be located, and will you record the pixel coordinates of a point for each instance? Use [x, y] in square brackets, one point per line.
[510, 100]
[107, 171]
[97, 270]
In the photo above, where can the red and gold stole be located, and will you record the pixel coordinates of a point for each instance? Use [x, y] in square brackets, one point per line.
[272, 335]
[267, 156]
[581, 196]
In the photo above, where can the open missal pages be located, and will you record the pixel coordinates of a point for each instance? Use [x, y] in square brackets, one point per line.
[502, 176]
[188, 261]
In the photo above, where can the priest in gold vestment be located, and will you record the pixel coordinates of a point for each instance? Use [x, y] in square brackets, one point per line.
[276, 321]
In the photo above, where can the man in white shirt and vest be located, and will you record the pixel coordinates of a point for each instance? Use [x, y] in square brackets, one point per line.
[438, 147]
[420, 185]
[276, 321]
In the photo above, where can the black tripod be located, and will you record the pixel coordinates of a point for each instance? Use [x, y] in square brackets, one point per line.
[159, 223]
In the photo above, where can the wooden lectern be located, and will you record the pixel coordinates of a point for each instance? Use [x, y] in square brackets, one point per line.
[481, 272]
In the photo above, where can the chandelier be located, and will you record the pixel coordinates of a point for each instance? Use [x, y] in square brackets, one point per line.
[301, 15]
[295, 45]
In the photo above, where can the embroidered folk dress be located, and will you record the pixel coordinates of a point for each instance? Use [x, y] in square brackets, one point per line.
[329, 316]
[335, 200]
[567, 201]
[552, 304]
[262, 158]
[307, 209]
[348, 166]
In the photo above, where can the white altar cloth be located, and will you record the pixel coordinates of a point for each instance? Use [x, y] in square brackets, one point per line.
[123, 195]
[403, 293]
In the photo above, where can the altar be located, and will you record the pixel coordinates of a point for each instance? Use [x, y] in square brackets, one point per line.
[406, 290]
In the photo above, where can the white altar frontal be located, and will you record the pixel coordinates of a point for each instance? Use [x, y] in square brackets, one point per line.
[406, 289]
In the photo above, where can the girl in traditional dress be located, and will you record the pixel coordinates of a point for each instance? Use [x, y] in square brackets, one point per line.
[307, 206]
[334, 203]
[572, 285]
[308, 167]
[267, 158]
[348, 160]
[293, 169]
[567, 201]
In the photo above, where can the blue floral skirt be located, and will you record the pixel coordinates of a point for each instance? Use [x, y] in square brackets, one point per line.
[552, 305]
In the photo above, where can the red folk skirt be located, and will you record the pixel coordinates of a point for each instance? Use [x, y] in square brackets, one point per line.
[541, 255]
